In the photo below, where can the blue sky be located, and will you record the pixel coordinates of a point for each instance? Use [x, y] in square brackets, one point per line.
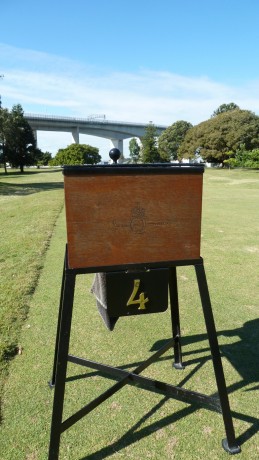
[136, 60]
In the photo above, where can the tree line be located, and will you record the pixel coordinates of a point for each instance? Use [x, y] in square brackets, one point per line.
[229, 137]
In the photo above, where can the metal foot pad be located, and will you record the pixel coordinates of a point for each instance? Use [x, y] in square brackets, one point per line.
[231, 450]
[178, 366]
[51, 385]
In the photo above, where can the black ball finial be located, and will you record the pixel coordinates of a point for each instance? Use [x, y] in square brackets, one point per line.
[114, 154]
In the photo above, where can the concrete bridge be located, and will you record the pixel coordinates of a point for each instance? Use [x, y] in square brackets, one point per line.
[116, 131]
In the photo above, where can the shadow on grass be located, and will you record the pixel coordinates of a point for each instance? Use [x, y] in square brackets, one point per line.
[243, 355]
[23, 189]
[134, 434]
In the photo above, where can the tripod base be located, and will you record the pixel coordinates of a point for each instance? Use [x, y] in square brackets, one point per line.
[62, 357]
[231, 450]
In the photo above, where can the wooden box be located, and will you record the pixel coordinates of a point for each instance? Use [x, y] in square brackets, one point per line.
[132, 214]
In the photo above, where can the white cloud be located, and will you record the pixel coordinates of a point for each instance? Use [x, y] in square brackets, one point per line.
[49, 84]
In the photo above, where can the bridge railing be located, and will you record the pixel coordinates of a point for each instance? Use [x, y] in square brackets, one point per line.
[33, 116]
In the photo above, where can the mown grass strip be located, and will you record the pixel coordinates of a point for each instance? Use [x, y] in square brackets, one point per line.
[30, 204]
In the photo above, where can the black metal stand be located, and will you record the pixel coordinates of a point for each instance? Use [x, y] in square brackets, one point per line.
[62, 357]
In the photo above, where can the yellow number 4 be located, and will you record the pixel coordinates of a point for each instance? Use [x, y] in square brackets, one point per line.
[141, 301]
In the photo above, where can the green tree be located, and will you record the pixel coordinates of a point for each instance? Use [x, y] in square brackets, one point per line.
[251, 159]
[134, 150]
[244, 158]
[77, 154]
[219, 135]
[225, 108]
[171, 139]
[44, 158]
[149, 149]
[20, 144]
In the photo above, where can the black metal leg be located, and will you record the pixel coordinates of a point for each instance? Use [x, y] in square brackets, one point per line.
[229, 444]
[53, 379]
[175, 318]
[61, 362]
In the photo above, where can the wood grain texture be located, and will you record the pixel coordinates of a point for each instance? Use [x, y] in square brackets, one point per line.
[130, 219]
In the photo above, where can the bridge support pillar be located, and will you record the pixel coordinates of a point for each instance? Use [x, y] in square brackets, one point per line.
[35, 136]
[118, 144]
[75, 134]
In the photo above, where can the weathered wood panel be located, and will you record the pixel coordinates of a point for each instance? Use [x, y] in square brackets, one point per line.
[117, 219]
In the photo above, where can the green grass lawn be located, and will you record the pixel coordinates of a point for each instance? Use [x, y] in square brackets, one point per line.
[134, 423]
[30, 204]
